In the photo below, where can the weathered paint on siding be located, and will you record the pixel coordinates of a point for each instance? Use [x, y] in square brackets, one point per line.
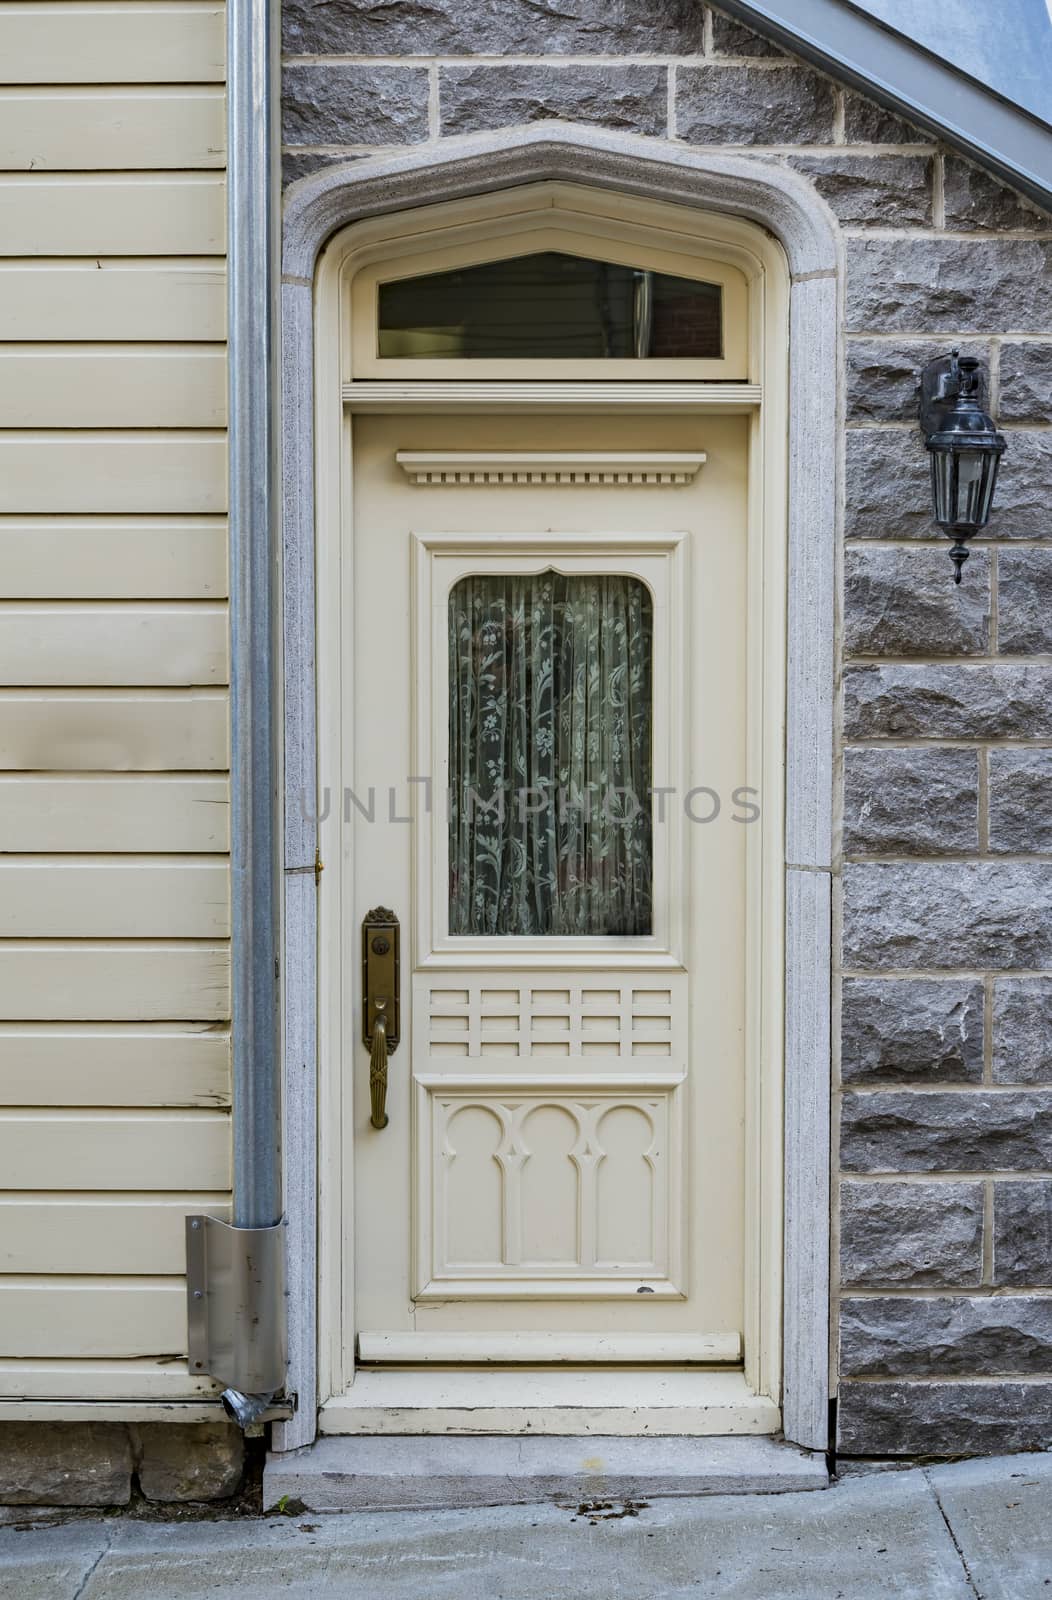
[114, 806]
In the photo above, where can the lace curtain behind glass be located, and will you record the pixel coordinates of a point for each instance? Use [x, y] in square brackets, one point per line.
[550, 755]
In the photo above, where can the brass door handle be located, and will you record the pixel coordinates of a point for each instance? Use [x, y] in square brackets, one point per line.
[380, 1002]
[378, 1067]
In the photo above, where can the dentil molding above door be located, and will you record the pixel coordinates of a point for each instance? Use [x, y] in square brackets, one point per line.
[515, 468]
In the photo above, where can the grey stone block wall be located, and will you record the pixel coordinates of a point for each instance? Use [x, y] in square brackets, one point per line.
[945, 1208]
[944, 1226]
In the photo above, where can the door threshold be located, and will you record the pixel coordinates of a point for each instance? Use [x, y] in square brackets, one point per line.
[623, 1402]
[444, 1474]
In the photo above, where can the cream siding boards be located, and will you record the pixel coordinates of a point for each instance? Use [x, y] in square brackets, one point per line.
[114, 805]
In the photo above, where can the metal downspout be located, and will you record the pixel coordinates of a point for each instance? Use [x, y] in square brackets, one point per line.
[252, 334]
[237, 1319]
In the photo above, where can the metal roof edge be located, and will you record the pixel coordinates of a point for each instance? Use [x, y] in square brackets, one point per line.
[908, 79]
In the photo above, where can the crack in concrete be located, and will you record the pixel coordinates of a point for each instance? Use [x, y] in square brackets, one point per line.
[955, 1541]
[83, 1584]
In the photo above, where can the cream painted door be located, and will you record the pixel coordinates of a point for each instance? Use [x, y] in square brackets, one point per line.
[561, 1175]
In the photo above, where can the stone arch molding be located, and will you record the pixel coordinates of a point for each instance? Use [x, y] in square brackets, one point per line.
[779, 200]
[768, 193]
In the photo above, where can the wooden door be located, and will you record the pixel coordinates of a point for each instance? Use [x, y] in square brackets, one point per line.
[561, 1174]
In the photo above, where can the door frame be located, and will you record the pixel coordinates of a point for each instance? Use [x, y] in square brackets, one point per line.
[649, 224]
[786, 1323]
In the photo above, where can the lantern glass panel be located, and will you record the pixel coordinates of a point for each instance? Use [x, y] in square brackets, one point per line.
[942, 487]
[963, 486]
[970, 475]
[991, 463]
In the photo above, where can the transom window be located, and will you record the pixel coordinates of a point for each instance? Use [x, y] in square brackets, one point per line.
[551, 302]
[553, 306]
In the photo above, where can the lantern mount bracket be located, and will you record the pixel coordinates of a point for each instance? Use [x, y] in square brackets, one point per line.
[942, 382]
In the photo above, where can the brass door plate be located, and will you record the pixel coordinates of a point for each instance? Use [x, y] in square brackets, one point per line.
[381, 975]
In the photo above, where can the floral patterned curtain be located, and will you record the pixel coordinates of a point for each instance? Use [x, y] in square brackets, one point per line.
[550, 755]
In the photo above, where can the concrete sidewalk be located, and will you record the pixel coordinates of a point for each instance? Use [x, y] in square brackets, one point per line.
[978, 1528]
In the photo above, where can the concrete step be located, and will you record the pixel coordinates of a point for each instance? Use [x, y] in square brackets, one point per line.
[436, 1473]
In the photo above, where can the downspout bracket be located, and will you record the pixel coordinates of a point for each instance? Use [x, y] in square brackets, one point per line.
[235, 1304]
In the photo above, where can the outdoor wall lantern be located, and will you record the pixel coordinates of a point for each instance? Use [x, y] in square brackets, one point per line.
[964, 446]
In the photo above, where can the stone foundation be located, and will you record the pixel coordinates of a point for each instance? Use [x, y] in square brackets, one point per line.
[100, 1463]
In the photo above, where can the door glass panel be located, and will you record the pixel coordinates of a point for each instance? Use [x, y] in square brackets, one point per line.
[550, 306]
[550, 719]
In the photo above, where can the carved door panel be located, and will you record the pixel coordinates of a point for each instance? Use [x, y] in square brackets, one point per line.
[547, 718]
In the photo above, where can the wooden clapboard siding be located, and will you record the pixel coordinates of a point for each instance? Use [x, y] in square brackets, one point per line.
[54, 898]
[113, 299]
[92, 1233]
[114, 814]
[161, 645]
[127, 1380]
[112, 558]
[114, 804]
[86, 1316]
[94, 130]
[111, 386]
[163, 214]
[114, 1064]
[90, 43]
[93, 731]
[101, 471]
[82, 1150]
[131, 981]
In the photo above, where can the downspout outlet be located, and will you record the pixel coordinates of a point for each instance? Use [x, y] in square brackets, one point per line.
[246, 1409]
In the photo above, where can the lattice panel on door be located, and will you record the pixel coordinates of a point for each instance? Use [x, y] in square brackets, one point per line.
[540, 1017]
